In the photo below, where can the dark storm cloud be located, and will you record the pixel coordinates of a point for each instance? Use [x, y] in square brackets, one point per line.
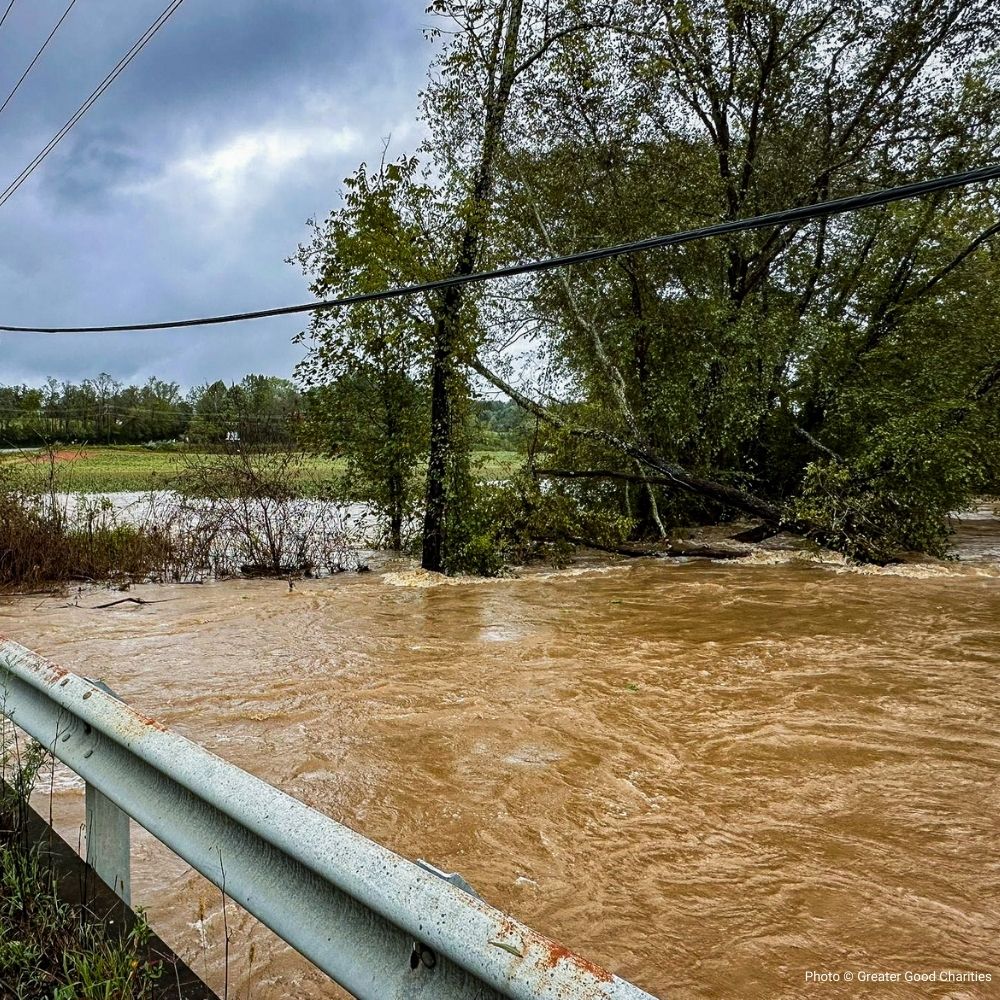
[188, 184]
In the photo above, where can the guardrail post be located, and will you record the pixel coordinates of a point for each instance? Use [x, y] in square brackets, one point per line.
[108, 833]
[108, 846]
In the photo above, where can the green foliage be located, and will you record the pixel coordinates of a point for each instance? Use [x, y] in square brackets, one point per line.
[50, 950]
[896, 494]
[499, 424]
[99, 409]
[750, 360]
[482, 541]
[377, 419]
[519, 521]
[259, 408]
[843, 370]
[366, 370]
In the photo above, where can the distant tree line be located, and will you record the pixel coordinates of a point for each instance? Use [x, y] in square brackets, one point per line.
[259, 409]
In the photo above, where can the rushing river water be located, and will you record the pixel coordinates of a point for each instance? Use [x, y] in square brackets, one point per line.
[711, 778]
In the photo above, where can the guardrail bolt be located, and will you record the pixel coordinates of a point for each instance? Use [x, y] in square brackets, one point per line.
[422, 955]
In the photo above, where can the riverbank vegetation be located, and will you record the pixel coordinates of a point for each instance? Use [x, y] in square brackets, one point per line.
[41, 544]
[836, 378]
[242, 514]
[51, 949]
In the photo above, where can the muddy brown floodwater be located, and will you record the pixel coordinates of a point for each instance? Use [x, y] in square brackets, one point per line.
[711, 778]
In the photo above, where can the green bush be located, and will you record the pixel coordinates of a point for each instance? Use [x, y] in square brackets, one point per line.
[518, 521]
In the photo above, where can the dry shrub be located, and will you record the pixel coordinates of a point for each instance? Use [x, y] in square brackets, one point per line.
[241, 514]
[39, 544]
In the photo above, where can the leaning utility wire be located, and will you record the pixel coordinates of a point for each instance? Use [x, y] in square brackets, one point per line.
[837, 206]
[137, 47]
[6, 12]
[38, 55]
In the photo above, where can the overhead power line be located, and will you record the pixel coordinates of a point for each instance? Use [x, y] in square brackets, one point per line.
[6, 12]
[95, 95]
[803, 213]
[38, 54]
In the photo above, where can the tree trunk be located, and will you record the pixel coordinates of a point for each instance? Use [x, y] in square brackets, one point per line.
[447, 320]
[397, 489]
[442, 436]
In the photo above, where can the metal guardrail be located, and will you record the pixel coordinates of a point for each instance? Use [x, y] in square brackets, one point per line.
[381, 926]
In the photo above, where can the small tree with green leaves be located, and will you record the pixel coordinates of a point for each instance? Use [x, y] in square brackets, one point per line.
[367, 367]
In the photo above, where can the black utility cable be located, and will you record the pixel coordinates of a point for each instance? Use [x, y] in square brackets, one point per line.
[6, 12]
[38, 55]
[91, 100]
[825, 208]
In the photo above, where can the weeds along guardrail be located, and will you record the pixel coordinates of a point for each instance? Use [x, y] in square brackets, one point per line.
[381, 926]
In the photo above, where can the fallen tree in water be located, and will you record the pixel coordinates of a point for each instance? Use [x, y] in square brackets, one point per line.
[668, 550]
[842, 505]
[671, 474]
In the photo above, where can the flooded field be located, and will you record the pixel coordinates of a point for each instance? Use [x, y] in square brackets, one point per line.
[714, 779]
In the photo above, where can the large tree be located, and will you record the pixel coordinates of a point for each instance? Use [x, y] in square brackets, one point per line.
[489, 56]
[477, 106]
[836, 376]
[761, 359]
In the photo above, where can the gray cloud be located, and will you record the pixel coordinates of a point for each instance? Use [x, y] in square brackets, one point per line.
[188, 184]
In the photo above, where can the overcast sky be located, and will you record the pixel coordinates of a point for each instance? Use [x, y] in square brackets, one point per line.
[185, 188]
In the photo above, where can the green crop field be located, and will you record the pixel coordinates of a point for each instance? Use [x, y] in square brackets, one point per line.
[102, 469]
[99, 470]
[493, 465]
